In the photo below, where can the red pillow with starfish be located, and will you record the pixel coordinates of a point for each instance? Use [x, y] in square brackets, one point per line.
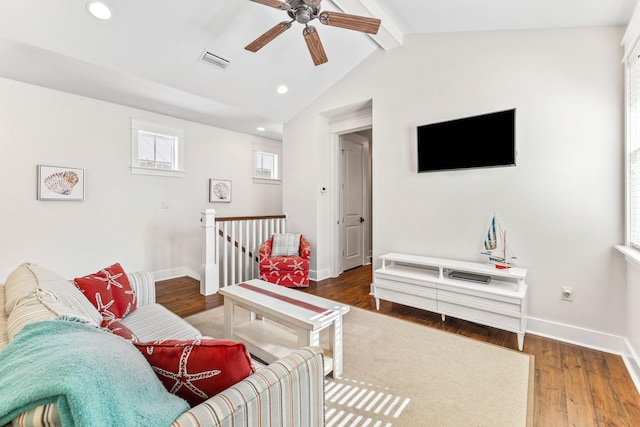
[109, 291]
[196, 370]
[118, 328]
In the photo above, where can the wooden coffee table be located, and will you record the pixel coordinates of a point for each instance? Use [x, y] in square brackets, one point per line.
[303, 315]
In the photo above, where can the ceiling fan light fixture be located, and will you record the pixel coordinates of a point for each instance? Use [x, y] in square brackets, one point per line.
[99, 10]
[282, 89]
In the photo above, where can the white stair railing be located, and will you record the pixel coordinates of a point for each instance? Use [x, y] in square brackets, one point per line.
[231, 248]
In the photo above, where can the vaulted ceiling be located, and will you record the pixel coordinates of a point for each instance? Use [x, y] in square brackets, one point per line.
[148, 54]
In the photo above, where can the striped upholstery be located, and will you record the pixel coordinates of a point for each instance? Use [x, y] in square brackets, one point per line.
[154, 322]
[288, 392]
[42, 416]
[21, 281]
[144, 286]
[29, 310]
[30, 278]
[4, 337]
[34, 293]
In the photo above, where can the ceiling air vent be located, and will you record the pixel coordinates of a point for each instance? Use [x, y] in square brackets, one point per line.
[215, 60]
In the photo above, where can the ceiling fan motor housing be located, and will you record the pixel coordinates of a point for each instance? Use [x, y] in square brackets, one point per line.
[302, 12]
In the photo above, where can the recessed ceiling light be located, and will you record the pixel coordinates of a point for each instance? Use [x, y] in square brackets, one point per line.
[282, 89]
[261, 129]
[99, 10]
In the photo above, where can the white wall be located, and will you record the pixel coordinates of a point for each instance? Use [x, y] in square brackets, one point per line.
[563, 202]
[120, 220]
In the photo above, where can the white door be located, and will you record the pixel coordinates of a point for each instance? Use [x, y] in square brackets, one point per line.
[352, 216]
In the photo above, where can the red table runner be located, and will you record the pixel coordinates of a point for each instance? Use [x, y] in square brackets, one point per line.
[290, 300]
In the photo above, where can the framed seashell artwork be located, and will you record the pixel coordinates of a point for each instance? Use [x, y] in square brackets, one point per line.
[219, 190]
[60, 183]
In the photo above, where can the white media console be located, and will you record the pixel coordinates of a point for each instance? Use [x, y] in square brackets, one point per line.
[424, 282]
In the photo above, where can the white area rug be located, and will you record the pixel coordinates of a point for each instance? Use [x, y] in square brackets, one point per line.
[397, 373]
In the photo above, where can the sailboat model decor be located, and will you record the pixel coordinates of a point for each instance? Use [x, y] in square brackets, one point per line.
[497, 247]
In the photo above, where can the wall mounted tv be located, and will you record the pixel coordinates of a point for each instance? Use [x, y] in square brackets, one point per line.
[487, 140]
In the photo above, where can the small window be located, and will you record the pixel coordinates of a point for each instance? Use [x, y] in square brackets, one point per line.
[156, 149]
[266, 165]
[266, 160]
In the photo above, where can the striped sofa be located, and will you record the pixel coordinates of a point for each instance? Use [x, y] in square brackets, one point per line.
[288, 392]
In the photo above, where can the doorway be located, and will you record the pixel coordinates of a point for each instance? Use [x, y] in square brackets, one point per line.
[354, 184]
[355, 123]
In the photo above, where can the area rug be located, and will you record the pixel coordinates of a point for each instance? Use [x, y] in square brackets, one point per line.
[397, 373]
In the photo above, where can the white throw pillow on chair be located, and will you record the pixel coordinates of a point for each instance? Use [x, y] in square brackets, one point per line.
[285, 244]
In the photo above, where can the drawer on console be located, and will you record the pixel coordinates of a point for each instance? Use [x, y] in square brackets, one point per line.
[480, 297]
[411, 286]
[484, 304]
[410, 299]
[478, 315]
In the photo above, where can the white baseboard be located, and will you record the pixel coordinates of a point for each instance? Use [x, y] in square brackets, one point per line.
[589, 338]
[324, 274]
[175, 272]
[575, 335]
[316, 276]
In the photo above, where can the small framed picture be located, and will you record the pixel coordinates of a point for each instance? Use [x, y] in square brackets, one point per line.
[60, 183]
[219, 190]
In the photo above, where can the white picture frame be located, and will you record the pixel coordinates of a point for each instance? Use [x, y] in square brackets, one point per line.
[60, 183]
[219, 190]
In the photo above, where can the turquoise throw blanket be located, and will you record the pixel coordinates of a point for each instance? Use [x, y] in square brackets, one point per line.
[96, 378]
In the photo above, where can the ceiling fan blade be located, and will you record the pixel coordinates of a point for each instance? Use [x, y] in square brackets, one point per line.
[315, 45]
[350, 22]
[271, 34]
[273, 3]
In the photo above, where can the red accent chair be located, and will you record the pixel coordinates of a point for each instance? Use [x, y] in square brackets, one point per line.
[289, 271]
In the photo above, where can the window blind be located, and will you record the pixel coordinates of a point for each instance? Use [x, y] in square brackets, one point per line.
[633, 149]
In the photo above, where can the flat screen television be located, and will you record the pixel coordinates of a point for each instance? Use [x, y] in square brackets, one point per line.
[483, 141]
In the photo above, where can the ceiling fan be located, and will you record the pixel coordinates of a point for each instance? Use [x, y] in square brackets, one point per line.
[304, 11]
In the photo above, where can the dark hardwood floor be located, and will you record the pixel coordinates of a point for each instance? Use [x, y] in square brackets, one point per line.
[574, 386]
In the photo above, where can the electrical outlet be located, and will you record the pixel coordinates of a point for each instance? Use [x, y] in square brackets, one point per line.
[567, 293]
